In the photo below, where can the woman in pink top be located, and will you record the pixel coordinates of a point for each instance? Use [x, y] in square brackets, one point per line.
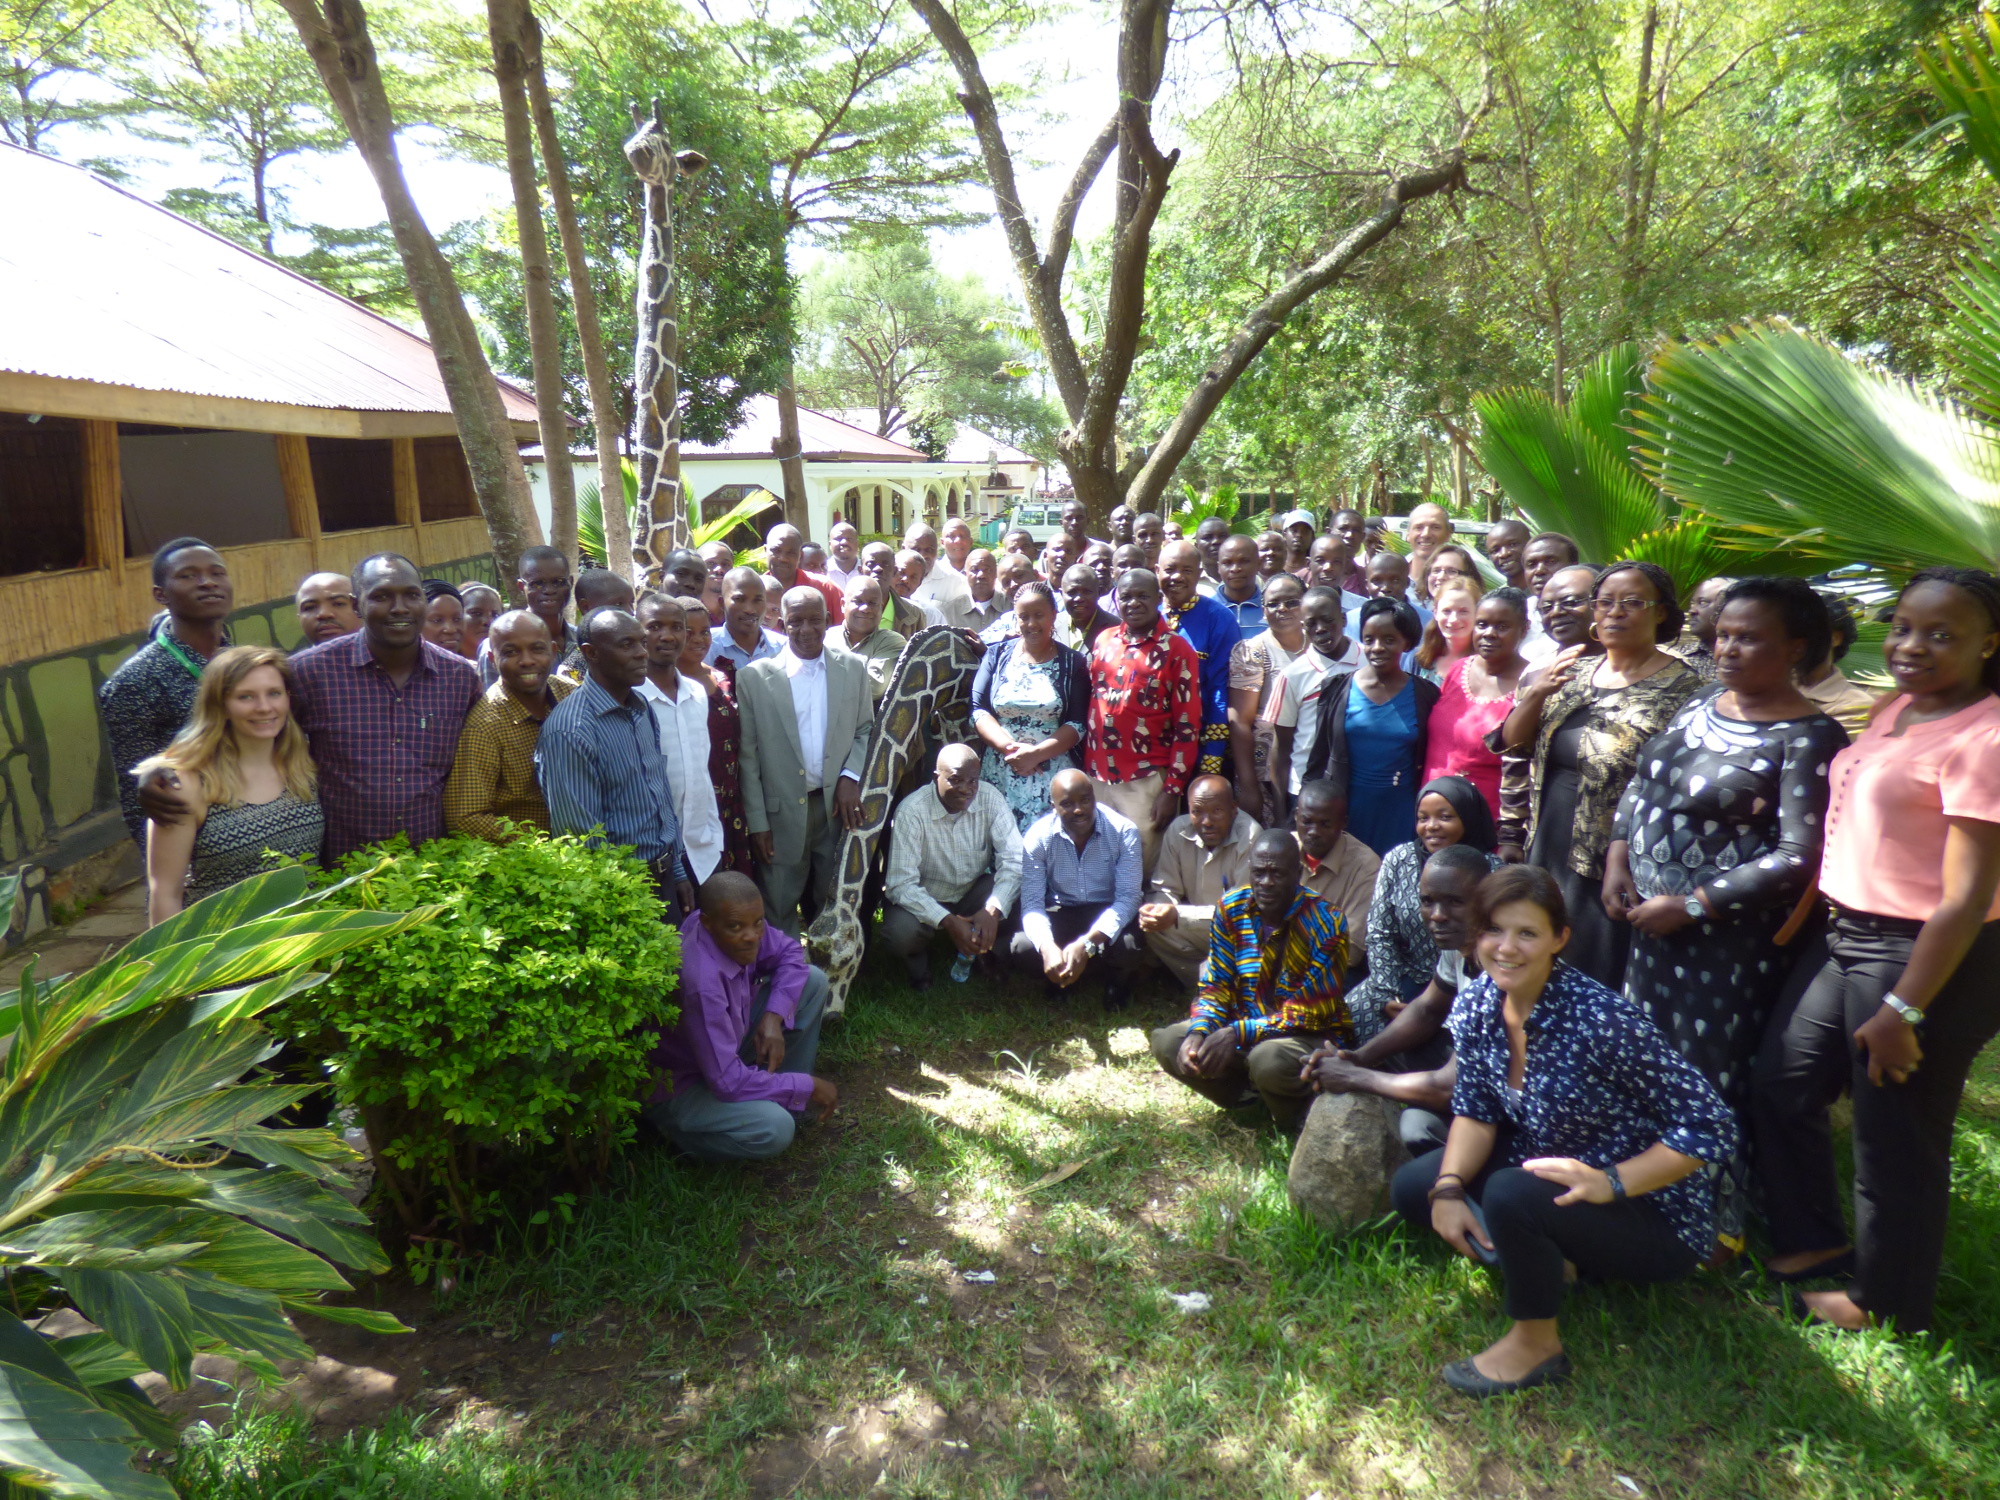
[1910, 989]
[1478, 694]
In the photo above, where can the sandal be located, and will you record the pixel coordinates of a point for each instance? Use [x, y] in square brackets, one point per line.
[1463, 1376]
[1840, 1267]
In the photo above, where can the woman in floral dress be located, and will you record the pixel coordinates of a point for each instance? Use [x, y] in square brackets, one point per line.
[1028, 704]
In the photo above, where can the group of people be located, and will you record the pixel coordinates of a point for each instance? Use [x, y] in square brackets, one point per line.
[1610, 899]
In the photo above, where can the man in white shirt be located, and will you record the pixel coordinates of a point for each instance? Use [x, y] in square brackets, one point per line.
[956, 537]
[843, 555]
[680, 710]
[982, 579]
[940, 585]
[954, 866]
[1293, 708]
[908, 580]
[806, 715]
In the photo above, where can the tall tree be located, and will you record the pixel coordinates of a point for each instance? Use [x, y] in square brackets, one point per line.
[43, 42]
[515, 39]
[1092, 396]
[335, 34]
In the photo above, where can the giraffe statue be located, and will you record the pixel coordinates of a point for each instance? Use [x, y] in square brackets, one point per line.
[928, 702]
[659, 523]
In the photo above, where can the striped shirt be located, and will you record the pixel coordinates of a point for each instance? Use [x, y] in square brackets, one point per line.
[494, 774]
[935, 856]
[1056, 875]
[601, 767]
[1302, 991]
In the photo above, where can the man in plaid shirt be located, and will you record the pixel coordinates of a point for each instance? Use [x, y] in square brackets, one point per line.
[1271, 991]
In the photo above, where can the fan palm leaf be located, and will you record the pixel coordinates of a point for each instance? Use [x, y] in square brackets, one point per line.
[1561, 474]
[1782, 437]
[1963, 70]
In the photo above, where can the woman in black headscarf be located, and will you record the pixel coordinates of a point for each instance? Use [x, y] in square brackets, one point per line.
[1401, 955]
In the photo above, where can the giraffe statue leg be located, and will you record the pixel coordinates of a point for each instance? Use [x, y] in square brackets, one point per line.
[928, 701]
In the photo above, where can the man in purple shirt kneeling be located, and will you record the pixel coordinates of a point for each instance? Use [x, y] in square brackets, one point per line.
[739, 1061]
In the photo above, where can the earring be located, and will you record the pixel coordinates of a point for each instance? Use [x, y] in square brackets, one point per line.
[1592, 629]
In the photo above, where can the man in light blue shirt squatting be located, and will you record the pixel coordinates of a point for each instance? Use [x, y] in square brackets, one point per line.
[1081, 874]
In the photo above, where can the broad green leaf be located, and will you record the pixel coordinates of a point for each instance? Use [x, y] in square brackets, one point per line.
[246, 1256]
[1561, 475]
[242, 1318]
[292, 1204]
[56, 1438]
[371, 1318]
[220, 1113]
[1973, 343]
[1963, 67]
[123, 1398]
[98, 1358]
[229, 908]
[253, 999]
[10, 891]
[21, 1345]
[146, 1311]
[1780, 435]
[318, 1153]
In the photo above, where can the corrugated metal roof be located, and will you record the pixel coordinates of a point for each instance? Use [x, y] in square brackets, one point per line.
[100, 285]
[820, 436]
[969, 444]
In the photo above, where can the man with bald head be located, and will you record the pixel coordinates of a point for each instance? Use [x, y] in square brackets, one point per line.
[600, 764]
[1428, 529]
[843, 554]
[863, 634]
[1149, 534]
[782, 544]
[954, 866]
[1205, 853]
[956, 539]
[736, 1070]
[1273, 991]
[1122, 517]
[493, 776]
[908, 581]
[806, 714]
[326, 607]
[1208, 627]
[1080, 890]
[879, 562]
[982, 581]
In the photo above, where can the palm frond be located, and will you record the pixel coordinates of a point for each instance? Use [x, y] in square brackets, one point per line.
[1560, 474]
[1972, 331]
[1963, 67]
[1783, 437]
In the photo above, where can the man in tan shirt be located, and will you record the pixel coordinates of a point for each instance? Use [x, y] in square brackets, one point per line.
[1339, 868]
[1204, 853]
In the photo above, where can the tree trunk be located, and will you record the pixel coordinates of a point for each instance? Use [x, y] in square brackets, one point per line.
[791, 463]
[508, 23]
[583, 300]
[335, 34]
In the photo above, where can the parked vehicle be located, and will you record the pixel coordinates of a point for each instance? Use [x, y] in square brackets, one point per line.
[1041, 520]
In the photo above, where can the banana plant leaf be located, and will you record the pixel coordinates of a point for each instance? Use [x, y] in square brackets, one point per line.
[1784, 438]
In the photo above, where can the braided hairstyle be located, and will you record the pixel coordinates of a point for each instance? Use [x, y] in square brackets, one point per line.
[1985, 589]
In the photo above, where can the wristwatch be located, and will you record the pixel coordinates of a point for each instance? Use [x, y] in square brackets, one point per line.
[1695, 909]
[1095, 944]
[1910, 1014]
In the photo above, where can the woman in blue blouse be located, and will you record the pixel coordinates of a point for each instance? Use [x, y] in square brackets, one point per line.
[1374, 727]
[1577, 1135]
[1029, 703]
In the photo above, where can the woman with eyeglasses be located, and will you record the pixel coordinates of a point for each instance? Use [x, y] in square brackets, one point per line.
[1254, 666]
[1565, 611]
[1449, 562]
[1587, 720]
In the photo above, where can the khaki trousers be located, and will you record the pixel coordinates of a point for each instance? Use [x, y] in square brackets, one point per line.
[1182, 948]
[1134, 800]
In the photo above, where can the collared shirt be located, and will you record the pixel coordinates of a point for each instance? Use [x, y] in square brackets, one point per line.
[570, 646]
[144, 704]
[600, 766]
[1294, 702]
[977, 616]
[838, 576]
[384, 752]
[1249, 614]
[1145, 707]
[935, 856]
[493, 776]
[683, 724]
[946, 588]
[1192, 876]
[878, 652]
[1846, 703]
[1213, 632]
[1345, 880]
[809, 711]
[907, 618]
[1295, 986]
[716, 997]
[723, 647]
[1067, 632]
[1055, 875]
[1601, 1085]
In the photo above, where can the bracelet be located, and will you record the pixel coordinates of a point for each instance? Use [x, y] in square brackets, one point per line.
[1903, 1008]
[1448, 1188]
[1617, 1183]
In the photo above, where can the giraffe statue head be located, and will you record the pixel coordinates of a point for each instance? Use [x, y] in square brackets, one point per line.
[653, 159]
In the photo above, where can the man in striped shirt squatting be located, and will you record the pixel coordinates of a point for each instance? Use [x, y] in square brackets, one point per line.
[1271, 993]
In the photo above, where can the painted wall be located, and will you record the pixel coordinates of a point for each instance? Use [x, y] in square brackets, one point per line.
[58, 791]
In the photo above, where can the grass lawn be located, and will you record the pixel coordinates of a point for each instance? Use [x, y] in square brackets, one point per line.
[807, 1329]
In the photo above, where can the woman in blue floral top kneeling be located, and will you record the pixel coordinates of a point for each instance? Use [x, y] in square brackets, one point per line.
[1577, 1140]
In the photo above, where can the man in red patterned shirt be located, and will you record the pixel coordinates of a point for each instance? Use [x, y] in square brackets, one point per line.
[1145, 713]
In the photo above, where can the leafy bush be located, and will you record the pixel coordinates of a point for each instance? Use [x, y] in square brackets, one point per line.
[129, 1111]
[507, 1041]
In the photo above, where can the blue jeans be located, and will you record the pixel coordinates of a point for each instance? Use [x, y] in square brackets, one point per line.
[712, 1129]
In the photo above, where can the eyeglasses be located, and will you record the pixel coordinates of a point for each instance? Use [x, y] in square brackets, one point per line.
[1282, 606]
[1570, 603]
[1629, 604]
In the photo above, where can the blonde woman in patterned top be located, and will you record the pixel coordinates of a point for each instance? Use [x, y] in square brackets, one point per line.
[243, 766]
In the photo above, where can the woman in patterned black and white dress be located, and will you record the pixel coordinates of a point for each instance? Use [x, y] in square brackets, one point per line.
[243, 763]
[1717, 837]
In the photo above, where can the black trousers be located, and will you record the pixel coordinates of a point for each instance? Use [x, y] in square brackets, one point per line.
[1069, 923]
[1902, 1131]
[1628, 1241]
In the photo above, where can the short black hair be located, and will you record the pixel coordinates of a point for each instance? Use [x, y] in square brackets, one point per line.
[540, 554]
[1515, 599]
[1460, 857]
[1672, 616]
[1800, 609]
[354, 578]
[592, 582]
[1405, 616]
[1568, 543]
[1845, 629]
[1321, 789]
[163, 557]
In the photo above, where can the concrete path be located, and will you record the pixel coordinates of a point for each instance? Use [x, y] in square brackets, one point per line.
[100, 931]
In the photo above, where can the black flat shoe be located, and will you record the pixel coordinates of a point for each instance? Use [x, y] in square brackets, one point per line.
[1840, 1267]
[1463, 1376]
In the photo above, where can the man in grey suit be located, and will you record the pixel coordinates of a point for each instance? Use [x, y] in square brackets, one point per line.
[797, 799]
